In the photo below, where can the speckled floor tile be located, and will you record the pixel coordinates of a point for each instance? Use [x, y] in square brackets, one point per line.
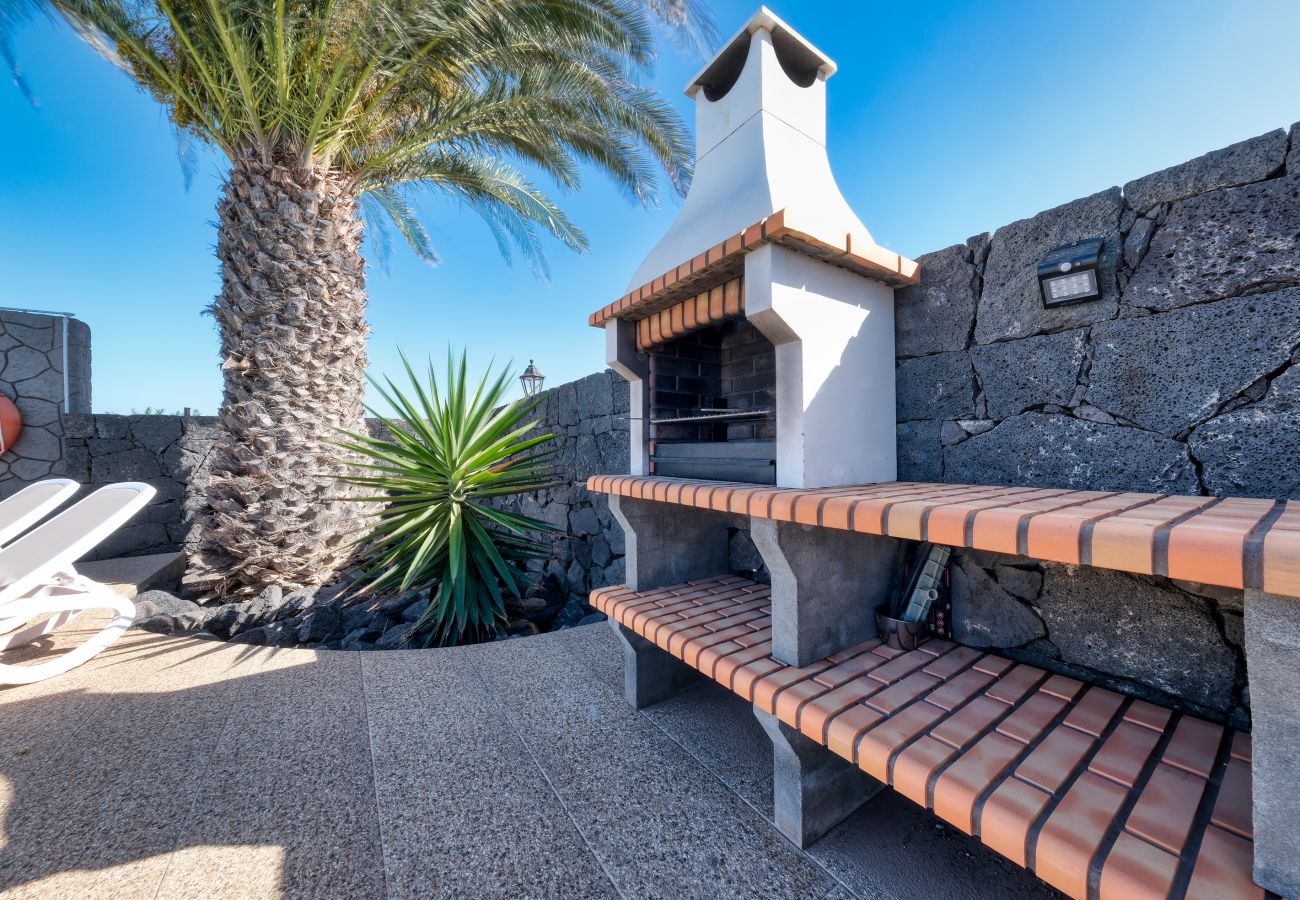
[662, 825]
[178, 768]
[500, 830]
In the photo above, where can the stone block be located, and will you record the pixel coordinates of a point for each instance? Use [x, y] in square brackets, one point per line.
[155, 433]
[595, 396]
[37, 411]
[583, 522]
[35, 330]
[76, 463]
[127, 465]
[984, 614]
[562, 405]
[1012, 305]
[1250, 160]
[1252, 451]
[1017, 375]
[941, 386]
[1019, 582]
[1172, 371]
[79, 425]
[39, 443]
[1137, 242]
[1136, 628]
[1049, 450]
[1222, 244]
[1293, 155]
[112, 427]
[920, 452]
[1273, 661]
[938, 314]
[30, 469]
[23, 363]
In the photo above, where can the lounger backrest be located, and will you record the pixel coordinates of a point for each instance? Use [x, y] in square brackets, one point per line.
[55, 545]
[33, 503]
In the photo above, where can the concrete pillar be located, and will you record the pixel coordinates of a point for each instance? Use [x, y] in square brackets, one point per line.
[650, 674]
[826, 585]
[668, 544]
[1273, 669]
[813, 790]
[634, 366]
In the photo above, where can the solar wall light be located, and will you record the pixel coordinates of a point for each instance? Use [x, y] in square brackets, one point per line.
[1069, 274]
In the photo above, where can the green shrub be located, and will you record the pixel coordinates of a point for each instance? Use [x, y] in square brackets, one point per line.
[452, 449]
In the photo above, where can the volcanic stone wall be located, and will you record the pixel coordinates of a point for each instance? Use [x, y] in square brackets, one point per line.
[1180, 378]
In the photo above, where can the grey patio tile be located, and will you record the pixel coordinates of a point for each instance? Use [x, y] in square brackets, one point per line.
[719, 729]
[108, 774]
[291, 772]
[661, 824]
[465, 810]
[596, 648]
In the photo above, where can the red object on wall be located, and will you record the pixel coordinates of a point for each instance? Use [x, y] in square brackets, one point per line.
[11, 424]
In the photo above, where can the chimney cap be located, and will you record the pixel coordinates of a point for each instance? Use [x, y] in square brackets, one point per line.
[796, 55]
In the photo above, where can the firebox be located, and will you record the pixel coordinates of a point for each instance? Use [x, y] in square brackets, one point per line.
[713, 404]
[757, 336]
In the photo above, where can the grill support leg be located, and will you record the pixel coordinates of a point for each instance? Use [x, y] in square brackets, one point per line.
[668, 544]
[650, 674]
[813, 789]
[826, 585]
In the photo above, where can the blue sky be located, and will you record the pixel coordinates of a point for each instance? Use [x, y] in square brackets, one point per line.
[946, 119]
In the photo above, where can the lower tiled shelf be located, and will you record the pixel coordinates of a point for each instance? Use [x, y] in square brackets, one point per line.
[1097, 793]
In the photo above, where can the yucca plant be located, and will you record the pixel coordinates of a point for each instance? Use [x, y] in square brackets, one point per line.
[451, 450]
[327, 109]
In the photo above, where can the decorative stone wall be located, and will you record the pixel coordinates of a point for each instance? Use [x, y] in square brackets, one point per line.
[32, 375]
[1180, 378]
[170, 453]
[173, 454]
[589, 420]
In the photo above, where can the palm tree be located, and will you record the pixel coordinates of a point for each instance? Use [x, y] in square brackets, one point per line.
[328, 109]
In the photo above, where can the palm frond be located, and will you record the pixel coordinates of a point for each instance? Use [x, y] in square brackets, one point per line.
[395, 95]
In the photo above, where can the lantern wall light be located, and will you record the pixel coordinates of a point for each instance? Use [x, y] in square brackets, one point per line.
[532, 380]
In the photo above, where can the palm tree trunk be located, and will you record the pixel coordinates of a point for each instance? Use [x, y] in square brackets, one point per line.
[291, 317]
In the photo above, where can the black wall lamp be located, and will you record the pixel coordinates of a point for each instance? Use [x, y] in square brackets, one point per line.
[532, 380]
[1069, 274]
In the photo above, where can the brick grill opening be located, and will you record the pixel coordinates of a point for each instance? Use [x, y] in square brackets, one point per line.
[713, 405]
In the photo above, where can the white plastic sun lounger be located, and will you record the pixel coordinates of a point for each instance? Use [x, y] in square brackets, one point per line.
[33, 503]
[40, 583]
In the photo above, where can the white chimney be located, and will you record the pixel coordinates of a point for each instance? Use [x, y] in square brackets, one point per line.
[760, 144]
[765, 219]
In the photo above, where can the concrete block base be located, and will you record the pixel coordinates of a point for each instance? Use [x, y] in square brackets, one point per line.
[1273, 667]
[813, 790]
[826, 585]
[668, 544]
[650, 674]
